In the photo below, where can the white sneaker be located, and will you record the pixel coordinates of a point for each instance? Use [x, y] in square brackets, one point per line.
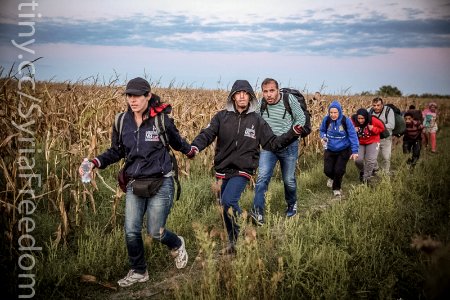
[181, 257]
[336, 193]
[133, 277]
[330, 183]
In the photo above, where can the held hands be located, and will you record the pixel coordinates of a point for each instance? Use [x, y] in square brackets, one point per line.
[297, 129]
[354, 156]
[191, 154]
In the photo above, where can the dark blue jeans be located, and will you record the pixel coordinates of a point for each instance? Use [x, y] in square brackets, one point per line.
[157, 209]
[267, 161]
[231, 192]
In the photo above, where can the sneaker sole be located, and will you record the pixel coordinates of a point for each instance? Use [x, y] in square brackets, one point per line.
[131, 283]
[184, 264]
[187, 256]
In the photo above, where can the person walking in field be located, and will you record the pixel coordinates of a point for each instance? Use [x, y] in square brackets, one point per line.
[240, 132]
[340, 143]
[368, 128]
[430, 117]
[280, 122]
[387, 116]
[412, 138]
[148, 167]
[416, 113]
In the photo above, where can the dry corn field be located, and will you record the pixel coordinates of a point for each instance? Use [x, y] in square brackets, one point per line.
[66, 122]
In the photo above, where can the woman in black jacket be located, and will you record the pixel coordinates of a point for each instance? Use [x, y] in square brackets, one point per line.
[240, 133]
[149, 168]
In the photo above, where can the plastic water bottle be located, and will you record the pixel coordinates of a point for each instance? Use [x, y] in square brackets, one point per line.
[325, 143]
[86, 167]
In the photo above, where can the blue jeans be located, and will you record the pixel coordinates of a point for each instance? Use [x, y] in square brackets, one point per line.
[267, 161]
[157, 208]
[231, 192]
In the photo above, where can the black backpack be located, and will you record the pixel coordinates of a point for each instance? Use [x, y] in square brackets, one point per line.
[161, 129]
[285, 96]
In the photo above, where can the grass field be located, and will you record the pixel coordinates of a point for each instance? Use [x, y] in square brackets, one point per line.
[359, 247]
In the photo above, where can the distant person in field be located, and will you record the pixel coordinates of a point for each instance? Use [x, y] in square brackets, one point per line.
[412, 138]
[148, 176]
[239, 132]
[340, 143]
[430, 117]
[368, 129]
[316, 98]
[387, 116]
[280, 121]
[416, 113]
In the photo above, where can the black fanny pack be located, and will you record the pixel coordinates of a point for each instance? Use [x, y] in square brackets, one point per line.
[147, 187]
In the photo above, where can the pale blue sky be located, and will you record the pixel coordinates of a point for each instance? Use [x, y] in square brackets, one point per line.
[341, 46]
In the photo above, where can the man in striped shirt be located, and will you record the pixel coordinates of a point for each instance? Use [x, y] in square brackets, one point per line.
[280, 120]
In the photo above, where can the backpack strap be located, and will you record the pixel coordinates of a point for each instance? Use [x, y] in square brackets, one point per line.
[263, 107]
[162, 133]
[161, 129]
[287, 106]
[118, 125]
[344, 123]
[386, 113]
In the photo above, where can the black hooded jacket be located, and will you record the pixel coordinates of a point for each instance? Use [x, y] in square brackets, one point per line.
[239, 136]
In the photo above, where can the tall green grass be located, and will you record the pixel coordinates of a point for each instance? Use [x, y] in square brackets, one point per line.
[355, 248]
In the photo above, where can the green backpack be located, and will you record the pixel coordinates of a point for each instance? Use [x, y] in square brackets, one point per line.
[400, 125]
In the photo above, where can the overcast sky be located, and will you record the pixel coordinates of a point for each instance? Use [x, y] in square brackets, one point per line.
[337, 46]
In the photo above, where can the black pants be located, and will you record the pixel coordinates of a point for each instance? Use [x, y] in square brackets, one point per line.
[413, 146]
[334, 165]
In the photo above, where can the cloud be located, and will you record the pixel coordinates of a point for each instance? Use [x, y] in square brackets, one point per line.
[340, 36]
[199, 40]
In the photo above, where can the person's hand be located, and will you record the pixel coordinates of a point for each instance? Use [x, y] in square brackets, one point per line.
[370, 126]
[192, 152]
[324, 140]
[354, 156]
[297, 129]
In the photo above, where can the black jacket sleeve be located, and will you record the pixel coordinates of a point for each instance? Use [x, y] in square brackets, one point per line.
[175, 140]
[112, 155]
[208, 134]
[269, 141]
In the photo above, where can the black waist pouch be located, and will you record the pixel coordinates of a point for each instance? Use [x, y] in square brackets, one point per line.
[147, 187]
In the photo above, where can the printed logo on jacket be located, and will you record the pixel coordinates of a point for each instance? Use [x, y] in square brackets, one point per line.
[152, 135]
[250, 132]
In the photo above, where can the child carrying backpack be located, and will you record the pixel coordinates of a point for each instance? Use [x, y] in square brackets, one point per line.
[340, 144]
[413, 138]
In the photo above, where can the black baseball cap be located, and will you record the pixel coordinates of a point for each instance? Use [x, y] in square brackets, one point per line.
[137, 86]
